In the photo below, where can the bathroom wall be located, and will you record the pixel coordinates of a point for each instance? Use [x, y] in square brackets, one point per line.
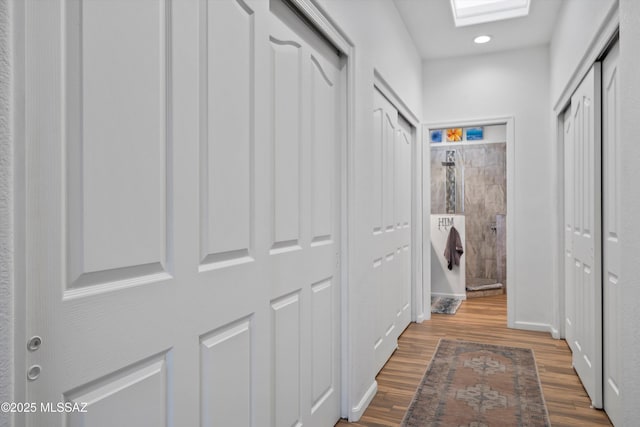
[439, 193]
[485, 197]
[483, 168]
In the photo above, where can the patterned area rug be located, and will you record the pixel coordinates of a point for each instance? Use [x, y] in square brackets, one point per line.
[445, 305]
[470, 384]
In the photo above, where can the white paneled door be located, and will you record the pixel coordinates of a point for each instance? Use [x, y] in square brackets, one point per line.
[569, 291]
[307, 100]
[392, 226]
[611, 234]
[183, 168]
[585, 245]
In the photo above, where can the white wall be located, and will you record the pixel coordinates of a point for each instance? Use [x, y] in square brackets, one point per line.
[578, 23]
[513, 83]
[629, 281]
[6, 215]
[382, 43]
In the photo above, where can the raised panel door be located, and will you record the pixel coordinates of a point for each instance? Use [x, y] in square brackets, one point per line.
[183, 213]
[587, 246]
[308, 100]
[391, 232]
[611, 235]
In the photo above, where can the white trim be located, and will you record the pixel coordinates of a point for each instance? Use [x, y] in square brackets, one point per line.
[512, 286]
[465, 143]
[385, 88]
[444, 294]
[418, 289]
[481, 12]
[534, 326]
[417, 283]
[425, 222]
[558, 266]
[511, 193]
[356, 412]
[598, 44]
[8, 228]
[321, 21]
[480, 121]
[347, 177]
[16, 319]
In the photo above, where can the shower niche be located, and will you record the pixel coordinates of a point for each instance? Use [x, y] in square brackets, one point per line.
[468, 178]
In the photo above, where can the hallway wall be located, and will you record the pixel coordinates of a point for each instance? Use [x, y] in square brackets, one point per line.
[629, 282]
[513, 83]
[382, 43]
[577, 24]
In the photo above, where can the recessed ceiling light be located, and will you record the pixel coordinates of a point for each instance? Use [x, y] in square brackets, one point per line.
[482, 39]
[470, 12]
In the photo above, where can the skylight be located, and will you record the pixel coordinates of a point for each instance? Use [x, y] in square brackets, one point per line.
[470, 12]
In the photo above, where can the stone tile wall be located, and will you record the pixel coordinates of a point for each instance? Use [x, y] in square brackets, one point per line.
[485, 196]
[441, 178]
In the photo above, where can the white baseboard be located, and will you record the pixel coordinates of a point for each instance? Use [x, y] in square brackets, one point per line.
[420, 318]
[533, 326]
[458, 296]
[356, 412]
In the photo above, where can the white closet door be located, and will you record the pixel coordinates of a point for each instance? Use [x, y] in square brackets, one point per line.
[391, 231]
[569, 190]
[183, 206]
[611, 233]
[307, 101]
[403, 222]
[587, 247]
[142, 250]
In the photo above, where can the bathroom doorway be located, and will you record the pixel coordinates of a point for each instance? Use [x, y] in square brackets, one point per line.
[469, 190]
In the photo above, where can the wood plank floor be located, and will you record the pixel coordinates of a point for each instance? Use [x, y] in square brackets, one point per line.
[480, 320]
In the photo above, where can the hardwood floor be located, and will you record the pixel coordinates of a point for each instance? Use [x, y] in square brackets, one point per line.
[480, 320]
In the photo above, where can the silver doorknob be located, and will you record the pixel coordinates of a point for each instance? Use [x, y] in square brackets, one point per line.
[34, 372]
[34, 343]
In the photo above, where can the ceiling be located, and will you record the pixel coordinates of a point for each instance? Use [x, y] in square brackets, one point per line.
[430, 23]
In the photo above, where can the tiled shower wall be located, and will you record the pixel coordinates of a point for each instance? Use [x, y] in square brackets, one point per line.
[485, 196]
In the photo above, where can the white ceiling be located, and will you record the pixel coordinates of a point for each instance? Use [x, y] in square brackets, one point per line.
[430, 23]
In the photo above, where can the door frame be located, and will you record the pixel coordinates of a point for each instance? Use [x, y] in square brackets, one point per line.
[418, 303]
[509, 121]
[12, 189]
